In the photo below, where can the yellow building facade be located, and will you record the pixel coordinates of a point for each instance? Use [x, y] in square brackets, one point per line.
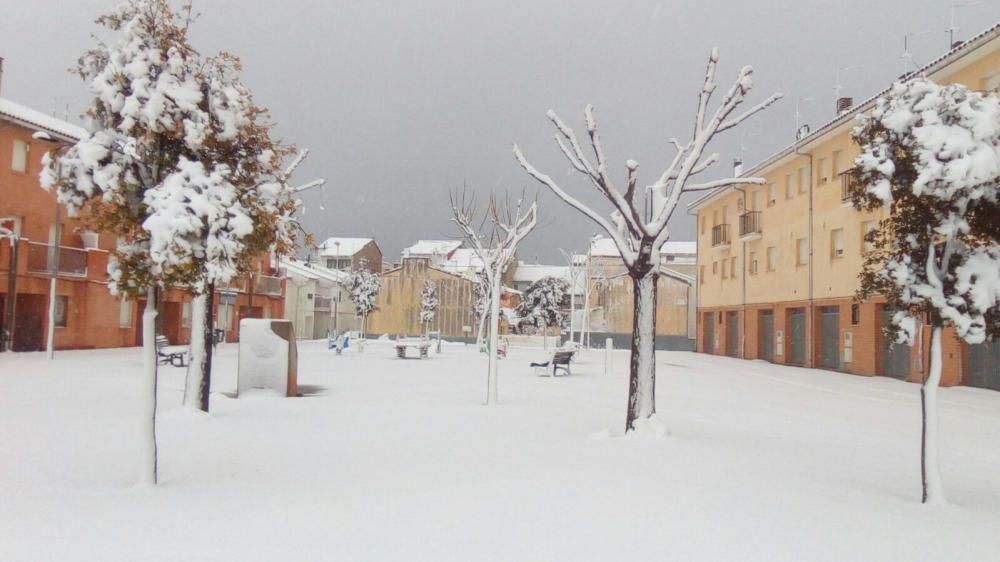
[778, 263]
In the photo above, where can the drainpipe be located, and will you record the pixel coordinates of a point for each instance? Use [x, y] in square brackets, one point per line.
[697, 277]
[743, 282]
[809, 315]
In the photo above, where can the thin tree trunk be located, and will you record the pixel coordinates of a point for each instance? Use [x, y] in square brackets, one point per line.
[930, 473]
[491, 395]
[642, 366]
[196, 367]
[208, 337]
[148, 421]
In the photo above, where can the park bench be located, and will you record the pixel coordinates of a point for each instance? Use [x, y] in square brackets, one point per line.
[420, 345]
[176, 355]
[560, 360]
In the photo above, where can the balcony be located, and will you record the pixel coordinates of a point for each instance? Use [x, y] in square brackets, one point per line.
[850, 184]
[720, 236]
[42, 258]
[750, 225]
[321, 303]
[267, 285]
[237, 284]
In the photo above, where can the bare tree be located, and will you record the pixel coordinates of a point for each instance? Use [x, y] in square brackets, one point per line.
[494, 238]
[639, 241]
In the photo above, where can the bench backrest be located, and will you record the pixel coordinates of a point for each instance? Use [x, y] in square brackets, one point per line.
[162, 341]
[562, 357]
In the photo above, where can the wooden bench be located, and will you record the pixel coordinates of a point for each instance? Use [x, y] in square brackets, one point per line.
[176, 355]
[560, 360]
[421, 345]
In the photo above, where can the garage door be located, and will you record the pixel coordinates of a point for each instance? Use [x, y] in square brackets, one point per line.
[709, 326]
[766, 331]
[733, 334]
[829, 325]
[797, 335]
[984, 365]
[895, 357]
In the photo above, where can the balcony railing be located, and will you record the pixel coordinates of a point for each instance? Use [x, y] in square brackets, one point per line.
[720, 235]
[267, 285]
[71, 261]
[321, 303]
[850, 184]
[237, 284]
[750, 224]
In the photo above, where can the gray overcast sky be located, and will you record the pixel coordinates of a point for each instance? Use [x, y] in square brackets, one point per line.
[402, 101]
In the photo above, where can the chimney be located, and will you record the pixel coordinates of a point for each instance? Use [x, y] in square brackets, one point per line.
[844, 105]
[737, 167]
[802, 133]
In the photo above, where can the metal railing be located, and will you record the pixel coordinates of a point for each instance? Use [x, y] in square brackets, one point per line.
[321, 303]
[42, 258]
[749, 223]
[850, 184]
[237, 284]
[267, 285]
[720, 235]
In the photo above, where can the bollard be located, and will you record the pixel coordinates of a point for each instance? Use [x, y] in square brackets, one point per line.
[609, 346]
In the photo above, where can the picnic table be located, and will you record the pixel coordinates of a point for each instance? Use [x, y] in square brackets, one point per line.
[421, 345]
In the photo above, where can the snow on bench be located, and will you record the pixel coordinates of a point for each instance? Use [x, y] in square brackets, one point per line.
[176, 355]
[421, 345]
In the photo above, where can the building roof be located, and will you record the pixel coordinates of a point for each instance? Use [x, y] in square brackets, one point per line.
[338, 247]
[846, 118]
[313, 271]
[605, 248]
[463, 261]
[432, 248]
[37, 120]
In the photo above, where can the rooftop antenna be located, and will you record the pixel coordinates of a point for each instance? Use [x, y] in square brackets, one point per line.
[906, 56]
[952, 28]
[836, 86]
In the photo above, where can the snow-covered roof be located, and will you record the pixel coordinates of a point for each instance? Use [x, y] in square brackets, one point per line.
[463, 261]
[313, 271]
[432, 248]
[605, 248]
[847, 118]
[337, 247]
[33, 119]
[529, 273]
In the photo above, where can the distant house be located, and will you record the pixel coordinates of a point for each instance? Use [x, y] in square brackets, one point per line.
[317, 299]
[436, 252]
[350, 254]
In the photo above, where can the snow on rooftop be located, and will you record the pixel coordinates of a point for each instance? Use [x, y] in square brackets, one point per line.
[432, 248]
[605, 247]
[463, 261]
[38, 120]
[527, 273]
[342, 247]
[313, 271]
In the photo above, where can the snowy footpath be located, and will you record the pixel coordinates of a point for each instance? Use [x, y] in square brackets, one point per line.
[389, 459]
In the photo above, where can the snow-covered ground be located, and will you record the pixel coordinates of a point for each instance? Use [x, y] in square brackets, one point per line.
[389, 459]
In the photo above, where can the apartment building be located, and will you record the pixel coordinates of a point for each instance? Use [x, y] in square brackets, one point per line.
[33, 249]
[397, 311]
[778, 263]
[349, 254]
[317, 299]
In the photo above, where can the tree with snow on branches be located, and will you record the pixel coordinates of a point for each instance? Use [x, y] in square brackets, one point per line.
[542, 304]
[639, 241]
[365, 286]
[428, 303]
[930, 155]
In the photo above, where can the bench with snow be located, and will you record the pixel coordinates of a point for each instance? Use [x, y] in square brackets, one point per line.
[560, 360]
[176, 355]
[420, 345]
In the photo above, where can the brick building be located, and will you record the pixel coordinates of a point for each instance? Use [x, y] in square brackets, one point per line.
[778, 263]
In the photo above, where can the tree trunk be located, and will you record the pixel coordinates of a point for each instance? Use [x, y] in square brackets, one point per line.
[930, 473]
[209, 342]
[148, 410]
[642, 366]
[491, 394]
[196, 367]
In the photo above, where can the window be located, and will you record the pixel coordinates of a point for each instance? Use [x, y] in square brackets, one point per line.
[753, 263]
[701, 275]
[124, 313]
[772, 194]
[62, 303]
[821, 173]
[802, 251]
[724, 264]
[715, 267]
[715, 217]
[789, 186]
[755, 201]
[19, 160]
[703, 221]
[866, 228]
[732, 267]
[836, 159]
[855, 314]
[772, 258]
[803, 180]
[186, 315]
[837, 243]
[224, 321]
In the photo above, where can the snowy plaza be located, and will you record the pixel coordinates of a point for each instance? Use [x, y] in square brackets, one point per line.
[390, 459]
